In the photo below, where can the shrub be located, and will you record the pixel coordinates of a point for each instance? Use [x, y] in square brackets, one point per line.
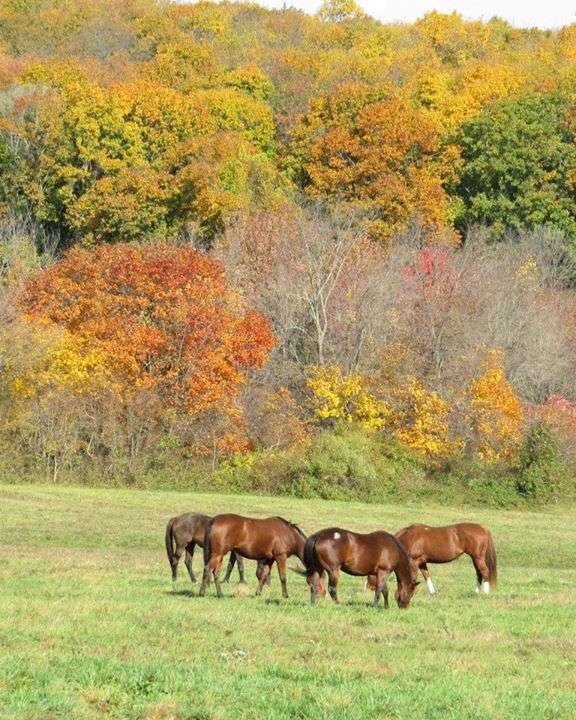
[539, 463]
[349, 464]
[497, 489]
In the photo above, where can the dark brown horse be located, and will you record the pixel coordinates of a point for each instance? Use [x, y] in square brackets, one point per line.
[183, 533]
[270, 540]
[426, 544]
[375, 554]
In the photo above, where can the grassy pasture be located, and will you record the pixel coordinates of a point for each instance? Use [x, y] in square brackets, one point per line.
[89, 626]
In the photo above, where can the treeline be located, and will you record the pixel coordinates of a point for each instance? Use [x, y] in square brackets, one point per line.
[261, 250]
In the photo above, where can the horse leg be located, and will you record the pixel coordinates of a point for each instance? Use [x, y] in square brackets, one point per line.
[240, 561]
[231, 561]
[216, 575]
[482, 574]
[381, 588]
[314, 586]
[174, 564]
[205, 580]
[264, 573]
[259, 567]
[426, 573]
[281, 562]
[211, 568]
[371, 582]
[385, 590]
[188, 557]
[333, 584]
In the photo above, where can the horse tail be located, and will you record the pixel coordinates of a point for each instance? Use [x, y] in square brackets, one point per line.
[169, 538]
[310, 559]
[491, 560]
[208, 541]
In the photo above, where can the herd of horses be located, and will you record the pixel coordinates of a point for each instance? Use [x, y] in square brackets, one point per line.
[327, 552]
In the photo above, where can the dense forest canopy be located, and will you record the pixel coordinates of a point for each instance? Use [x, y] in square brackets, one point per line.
[253, 238]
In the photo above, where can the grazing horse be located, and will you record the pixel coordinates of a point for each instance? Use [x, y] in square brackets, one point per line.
[427, 544]
[268, 540]
[375, 554]
[183, 533]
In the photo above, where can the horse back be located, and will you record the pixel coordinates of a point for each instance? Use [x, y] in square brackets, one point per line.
[252, 537]
[472, 536]
[189, 527]
[441, 544]
[255, 527]
[357, 553]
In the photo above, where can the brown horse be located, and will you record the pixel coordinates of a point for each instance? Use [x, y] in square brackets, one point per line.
[183, 533]
[375, 554]
[427, 544]
[268, 541]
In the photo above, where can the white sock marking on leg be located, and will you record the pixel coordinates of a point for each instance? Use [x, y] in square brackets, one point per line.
[486, 586]
[430, 586]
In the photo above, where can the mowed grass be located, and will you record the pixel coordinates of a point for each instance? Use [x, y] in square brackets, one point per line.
[90, 627]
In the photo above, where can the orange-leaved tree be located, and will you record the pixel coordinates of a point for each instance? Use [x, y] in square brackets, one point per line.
[163, 317]
[373, 149]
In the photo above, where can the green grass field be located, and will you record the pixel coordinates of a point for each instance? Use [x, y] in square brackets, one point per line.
[89, 626]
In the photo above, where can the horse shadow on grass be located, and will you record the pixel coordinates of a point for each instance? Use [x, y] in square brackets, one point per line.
[191, 594]
[180, 593]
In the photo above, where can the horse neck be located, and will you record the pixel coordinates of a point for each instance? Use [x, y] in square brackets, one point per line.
[402, 570]
[299, 544]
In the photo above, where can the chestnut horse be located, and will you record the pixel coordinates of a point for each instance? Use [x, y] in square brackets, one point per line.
[426, 544]
[183, 533]
[375, 554]
[268, 541]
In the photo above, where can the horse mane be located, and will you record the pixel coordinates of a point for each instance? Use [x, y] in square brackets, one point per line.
[292, 525]
[404, 554]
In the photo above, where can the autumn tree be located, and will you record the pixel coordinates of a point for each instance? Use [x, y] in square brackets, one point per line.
[317, 275]
[370, 148]
[109, 164]
[339, 10]
[164, 319]
[345, 398]
[419, 419]
[496, 413]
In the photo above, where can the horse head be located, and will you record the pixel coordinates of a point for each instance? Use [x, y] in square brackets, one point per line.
[404, 592]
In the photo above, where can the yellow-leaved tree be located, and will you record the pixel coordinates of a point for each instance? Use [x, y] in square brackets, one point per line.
[420, 420]
[496, 413]
[49, 381]
[340, 397]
